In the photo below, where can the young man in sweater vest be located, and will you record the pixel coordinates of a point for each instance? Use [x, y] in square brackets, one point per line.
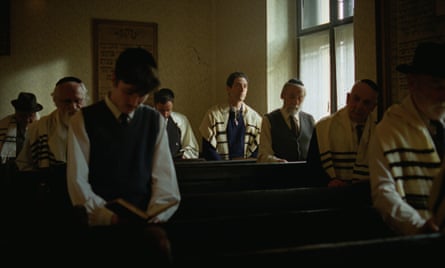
[118, 148]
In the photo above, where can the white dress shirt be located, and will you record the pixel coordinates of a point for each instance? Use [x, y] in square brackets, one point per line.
[164, 182]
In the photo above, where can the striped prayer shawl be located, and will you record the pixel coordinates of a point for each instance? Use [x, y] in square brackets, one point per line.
[214, 129]
[45, 145]
[8, 133]
[340, 156]
[410, 151]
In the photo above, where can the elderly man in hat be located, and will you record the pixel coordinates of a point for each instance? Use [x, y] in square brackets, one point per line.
[13, 127]
[286, 131]
[406, 150]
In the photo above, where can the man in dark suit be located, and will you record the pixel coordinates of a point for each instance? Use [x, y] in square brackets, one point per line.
[286, 132]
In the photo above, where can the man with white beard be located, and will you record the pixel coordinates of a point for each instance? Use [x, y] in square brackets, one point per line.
[286, 132]
[407, 148]
[41, 180]
[45, 144]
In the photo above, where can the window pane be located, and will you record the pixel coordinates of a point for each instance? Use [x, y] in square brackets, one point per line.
[314, 12]
[315, 73]
[344, 55]
[345, 9]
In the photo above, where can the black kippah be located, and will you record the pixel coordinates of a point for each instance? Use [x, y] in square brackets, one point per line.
[296, 81]
[68, 79]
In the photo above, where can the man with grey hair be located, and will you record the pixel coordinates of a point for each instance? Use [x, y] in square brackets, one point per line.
[339, 150]
[286, 132]
[407, 149]
[45, 144]
[42, 162]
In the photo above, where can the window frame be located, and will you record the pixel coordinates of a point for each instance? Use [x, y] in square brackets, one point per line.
[330, 26]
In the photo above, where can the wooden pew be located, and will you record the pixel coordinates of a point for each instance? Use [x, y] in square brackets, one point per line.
[227, 223]
[421, 249]
[217, 204]
[195, 240]
[223, 176]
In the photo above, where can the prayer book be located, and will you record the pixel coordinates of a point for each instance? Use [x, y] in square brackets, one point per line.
[128, 211]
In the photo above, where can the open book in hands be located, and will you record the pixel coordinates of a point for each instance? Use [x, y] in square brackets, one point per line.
[130, 212]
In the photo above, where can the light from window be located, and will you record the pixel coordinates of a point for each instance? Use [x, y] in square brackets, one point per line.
[326, 54]
[315, 73]
[314, 12]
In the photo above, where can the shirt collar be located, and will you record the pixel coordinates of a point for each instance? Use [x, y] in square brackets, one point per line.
[286, 114]
[114, 109]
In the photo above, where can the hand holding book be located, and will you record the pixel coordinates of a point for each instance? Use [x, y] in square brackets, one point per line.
[130, 213]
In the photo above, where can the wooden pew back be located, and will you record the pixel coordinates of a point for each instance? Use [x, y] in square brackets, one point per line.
[214, 204]
[223, 176]
[215, 224]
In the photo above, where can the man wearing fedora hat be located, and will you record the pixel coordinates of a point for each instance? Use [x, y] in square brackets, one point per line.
[14, 126]
[407, 148]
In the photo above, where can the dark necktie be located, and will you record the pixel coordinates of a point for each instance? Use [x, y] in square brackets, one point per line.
[438, 137]
[293, 125]
[123, 119]
[174, 137]
[359, 129]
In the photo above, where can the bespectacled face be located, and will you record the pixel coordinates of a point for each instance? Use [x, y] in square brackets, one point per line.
[69, 98]
[361, 101]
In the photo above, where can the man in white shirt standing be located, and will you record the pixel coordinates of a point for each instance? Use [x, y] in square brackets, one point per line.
[118, 148]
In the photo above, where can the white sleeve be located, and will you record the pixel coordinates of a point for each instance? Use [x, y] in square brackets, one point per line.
[80, 191]
[396, 212]
[165, 187]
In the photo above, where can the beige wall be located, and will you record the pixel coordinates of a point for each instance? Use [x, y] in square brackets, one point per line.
[365, 40]
[199, 43]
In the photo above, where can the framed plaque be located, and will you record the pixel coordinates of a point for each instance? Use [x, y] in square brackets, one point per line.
[110, 38]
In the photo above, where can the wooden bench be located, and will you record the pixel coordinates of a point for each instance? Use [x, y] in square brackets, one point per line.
[400, 251]
[194, 240]
[214, 204]
[210, 224]
[223, 176]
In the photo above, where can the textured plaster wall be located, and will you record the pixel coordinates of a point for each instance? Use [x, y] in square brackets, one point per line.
[199, 43]
[51, 39]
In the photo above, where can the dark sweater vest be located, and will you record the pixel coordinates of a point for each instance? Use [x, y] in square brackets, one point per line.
[121, 157]
[285, 143]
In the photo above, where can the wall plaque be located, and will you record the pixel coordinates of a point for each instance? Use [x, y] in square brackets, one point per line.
[111, 37]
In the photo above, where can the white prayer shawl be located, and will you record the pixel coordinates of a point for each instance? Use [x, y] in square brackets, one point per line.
[436, 199]
[340, 155]
[8, 133]
[410, 152]
[189, 143]
[214, 129]
[45, 144]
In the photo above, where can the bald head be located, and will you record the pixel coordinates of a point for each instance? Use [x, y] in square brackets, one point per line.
[362, 100]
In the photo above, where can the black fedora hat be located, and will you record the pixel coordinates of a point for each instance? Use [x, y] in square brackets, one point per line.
[429, 58]
[26, 102]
